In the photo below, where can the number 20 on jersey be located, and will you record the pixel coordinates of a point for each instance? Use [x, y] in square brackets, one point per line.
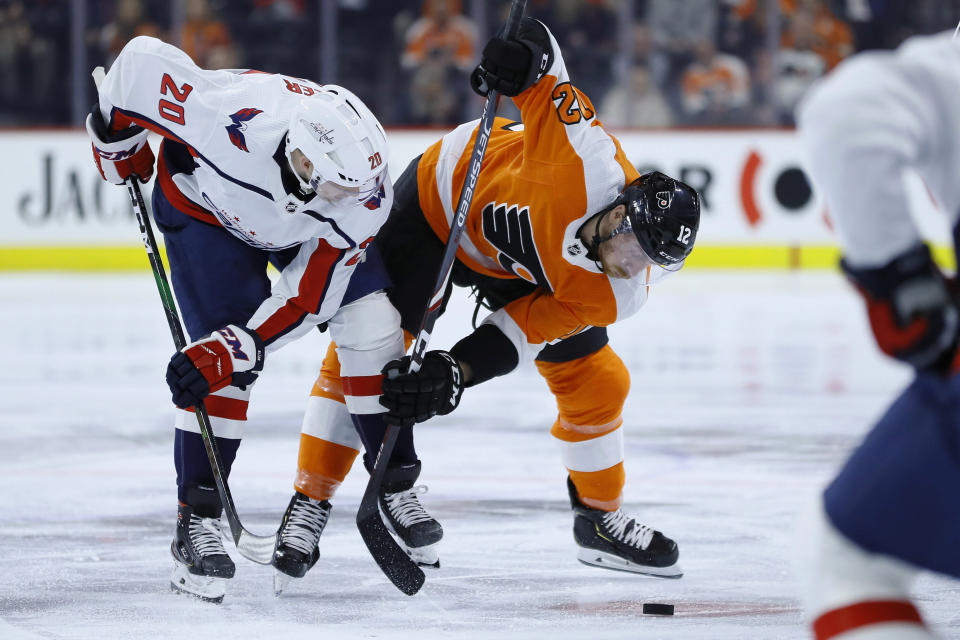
[173, 110]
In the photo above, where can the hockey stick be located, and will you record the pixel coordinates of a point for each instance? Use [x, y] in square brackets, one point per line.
[393, 560]
[259, 549]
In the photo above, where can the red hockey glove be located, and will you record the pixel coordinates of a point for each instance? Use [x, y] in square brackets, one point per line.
[512, 66]
[232, 355]
[122, 154]
[914, 317]
[415, 397]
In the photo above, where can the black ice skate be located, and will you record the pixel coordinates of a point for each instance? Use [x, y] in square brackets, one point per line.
[298, 539]
[201, 566]
[417, 531]
[613, 540]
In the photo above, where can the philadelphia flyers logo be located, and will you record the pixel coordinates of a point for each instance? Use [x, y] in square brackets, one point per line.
[573, 106]
[663, 199]
[508, 228]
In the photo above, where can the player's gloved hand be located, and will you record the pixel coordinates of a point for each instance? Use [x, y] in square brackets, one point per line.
[122, 154]
[232, 355]
[415, 397]
[512, 66]
[913, 315]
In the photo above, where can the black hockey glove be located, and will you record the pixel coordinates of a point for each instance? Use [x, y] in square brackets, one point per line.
[913, 315]
[512, 66]
[415, 397]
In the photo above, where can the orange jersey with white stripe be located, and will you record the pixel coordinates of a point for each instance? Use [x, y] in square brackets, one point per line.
[539, 182]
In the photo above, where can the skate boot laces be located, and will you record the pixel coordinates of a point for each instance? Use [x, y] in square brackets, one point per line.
[638, 536]
[206, 535]
[304, 526]
[405, 506]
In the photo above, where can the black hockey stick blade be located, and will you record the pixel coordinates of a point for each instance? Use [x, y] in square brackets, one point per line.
[390, 556]
[399, 568]
[393, 560]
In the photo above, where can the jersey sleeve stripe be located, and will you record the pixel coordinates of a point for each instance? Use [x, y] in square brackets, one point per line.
[122, 118]
[333, 225]
[311, 293]
[502, 320]
[176, 197]
[456, 150]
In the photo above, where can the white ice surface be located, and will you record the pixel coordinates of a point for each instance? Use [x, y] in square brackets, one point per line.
[748, 391]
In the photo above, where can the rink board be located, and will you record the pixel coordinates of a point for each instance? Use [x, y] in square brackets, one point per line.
[758, 208]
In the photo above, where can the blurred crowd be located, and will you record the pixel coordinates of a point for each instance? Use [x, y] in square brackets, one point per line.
[643, 63]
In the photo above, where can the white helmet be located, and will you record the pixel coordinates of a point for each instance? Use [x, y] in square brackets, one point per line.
[342, 139]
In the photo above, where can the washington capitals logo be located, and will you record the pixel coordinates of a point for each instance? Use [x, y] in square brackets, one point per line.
[374, 202]
[235, 130]
[320, 132]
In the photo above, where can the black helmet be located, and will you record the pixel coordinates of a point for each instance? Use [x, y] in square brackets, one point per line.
[665, 216]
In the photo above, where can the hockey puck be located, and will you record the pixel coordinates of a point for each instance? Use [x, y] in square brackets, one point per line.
[657, 609]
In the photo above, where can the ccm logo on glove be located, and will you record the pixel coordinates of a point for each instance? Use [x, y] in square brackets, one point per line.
[414, 397]
[233, 341]
[120, 154]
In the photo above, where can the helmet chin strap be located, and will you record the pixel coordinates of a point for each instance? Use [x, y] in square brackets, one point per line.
[593, 249]
[304, 191]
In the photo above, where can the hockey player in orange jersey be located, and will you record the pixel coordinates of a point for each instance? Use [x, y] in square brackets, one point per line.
[564, 237]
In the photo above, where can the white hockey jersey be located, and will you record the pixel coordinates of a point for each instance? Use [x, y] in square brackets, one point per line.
[233, 126]
[875, 115]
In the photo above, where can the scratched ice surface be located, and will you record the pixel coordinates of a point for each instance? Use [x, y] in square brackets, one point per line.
[748, 389]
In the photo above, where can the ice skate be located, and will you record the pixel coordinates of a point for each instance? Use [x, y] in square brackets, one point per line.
[298, 539]
[416, 530]
[614, 540]
[201, 566]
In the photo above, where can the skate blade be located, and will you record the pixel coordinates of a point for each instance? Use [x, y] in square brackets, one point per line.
[605, 560]
[202, 587]
[427, 556]
[280, 582]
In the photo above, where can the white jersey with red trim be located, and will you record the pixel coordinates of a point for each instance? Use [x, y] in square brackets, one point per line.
[234, 126]
[875, 115]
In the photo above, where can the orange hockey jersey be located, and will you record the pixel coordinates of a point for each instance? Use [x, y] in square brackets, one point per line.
[540, 181]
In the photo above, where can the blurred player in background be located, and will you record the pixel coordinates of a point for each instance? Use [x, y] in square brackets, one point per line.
[893, 508]
[254, 168]
[563, 239]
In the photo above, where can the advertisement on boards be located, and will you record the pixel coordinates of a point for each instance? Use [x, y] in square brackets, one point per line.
[754, 192]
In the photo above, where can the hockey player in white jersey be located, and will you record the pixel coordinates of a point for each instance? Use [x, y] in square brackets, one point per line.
[253, 168]
[892, 510]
